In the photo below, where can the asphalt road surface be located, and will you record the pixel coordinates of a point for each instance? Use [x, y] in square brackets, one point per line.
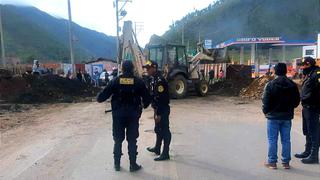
[213, 138]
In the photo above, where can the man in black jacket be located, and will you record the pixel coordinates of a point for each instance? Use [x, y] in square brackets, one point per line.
[129, 95]
[310, 99]
[280, 98]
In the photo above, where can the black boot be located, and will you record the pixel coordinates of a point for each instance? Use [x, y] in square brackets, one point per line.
[135, 167]
[163, 157]
[156, 149]
[166, 147]
[117, 164]
[313, 158]
[133, 164]
[117, 153]
[165, 154]
[304, 154]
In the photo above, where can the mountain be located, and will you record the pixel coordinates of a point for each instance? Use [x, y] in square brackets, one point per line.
[226, 19]
[33, 34]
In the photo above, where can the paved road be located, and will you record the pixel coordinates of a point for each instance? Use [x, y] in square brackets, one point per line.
[213, 138]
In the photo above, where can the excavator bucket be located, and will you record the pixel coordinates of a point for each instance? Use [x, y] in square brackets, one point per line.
[130, 49]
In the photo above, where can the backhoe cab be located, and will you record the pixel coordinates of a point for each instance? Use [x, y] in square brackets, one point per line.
[183, 75]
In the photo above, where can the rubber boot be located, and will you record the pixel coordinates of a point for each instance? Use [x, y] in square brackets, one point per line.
[304, 154]
[133, 164]
[313, 158]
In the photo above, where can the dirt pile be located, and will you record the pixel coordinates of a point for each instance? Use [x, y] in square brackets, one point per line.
[255, 89]
[44, 89]
[229, 87]
[5, 74]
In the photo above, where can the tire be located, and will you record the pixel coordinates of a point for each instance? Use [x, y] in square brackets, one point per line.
[202, 88]
[178, 87]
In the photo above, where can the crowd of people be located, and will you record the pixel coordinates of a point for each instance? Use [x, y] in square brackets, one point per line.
[281, 96]
[83, 76]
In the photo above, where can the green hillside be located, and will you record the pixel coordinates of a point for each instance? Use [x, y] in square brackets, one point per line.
[30, 33]
[226, 19]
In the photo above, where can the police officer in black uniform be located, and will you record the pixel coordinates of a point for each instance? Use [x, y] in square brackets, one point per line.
[159, 90]
[129, 95]
[310, 98]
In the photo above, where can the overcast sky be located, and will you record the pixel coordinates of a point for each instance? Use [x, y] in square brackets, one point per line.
[99, 15]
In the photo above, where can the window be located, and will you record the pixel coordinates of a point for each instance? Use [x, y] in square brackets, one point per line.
[172, 55]
[156, 55]
[182, 56]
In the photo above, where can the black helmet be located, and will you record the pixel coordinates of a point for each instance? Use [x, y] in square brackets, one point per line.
[127, 66]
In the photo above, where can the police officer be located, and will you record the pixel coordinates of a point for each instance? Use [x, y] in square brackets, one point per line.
[159, 90]
[310, 98]
[129, 95]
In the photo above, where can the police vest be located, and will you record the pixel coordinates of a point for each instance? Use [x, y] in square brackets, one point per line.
[127, 95]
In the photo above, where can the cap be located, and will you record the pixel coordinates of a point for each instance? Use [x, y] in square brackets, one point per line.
[307, 61]
[150, 63]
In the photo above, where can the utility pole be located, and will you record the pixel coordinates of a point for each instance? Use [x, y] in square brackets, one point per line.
[71, 38]
[3, 54]
[118, 38]
[119, 12]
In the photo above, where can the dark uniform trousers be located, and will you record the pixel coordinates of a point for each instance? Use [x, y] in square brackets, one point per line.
[162, 130]
[310, 98]
[125, 127]
[311, 127]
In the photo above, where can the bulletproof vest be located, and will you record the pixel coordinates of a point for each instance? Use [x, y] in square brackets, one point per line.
[314, 101]
[127, 94]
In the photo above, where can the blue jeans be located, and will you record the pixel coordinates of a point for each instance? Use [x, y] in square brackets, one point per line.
[274, 127]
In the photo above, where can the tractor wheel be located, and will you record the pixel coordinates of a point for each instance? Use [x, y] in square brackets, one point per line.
[178, 87]
[202, 88]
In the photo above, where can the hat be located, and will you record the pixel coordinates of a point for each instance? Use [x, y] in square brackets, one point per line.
[307, 61]
[150, 63]
[280, 69]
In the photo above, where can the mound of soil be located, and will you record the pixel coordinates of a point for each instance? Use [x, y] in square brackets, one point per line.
[255, 89]
[229, 87]
[5, 74]
[44, 89]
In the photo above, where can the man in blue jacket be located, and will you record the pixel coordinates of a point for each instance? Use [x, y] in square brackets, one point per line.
[280, 98]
